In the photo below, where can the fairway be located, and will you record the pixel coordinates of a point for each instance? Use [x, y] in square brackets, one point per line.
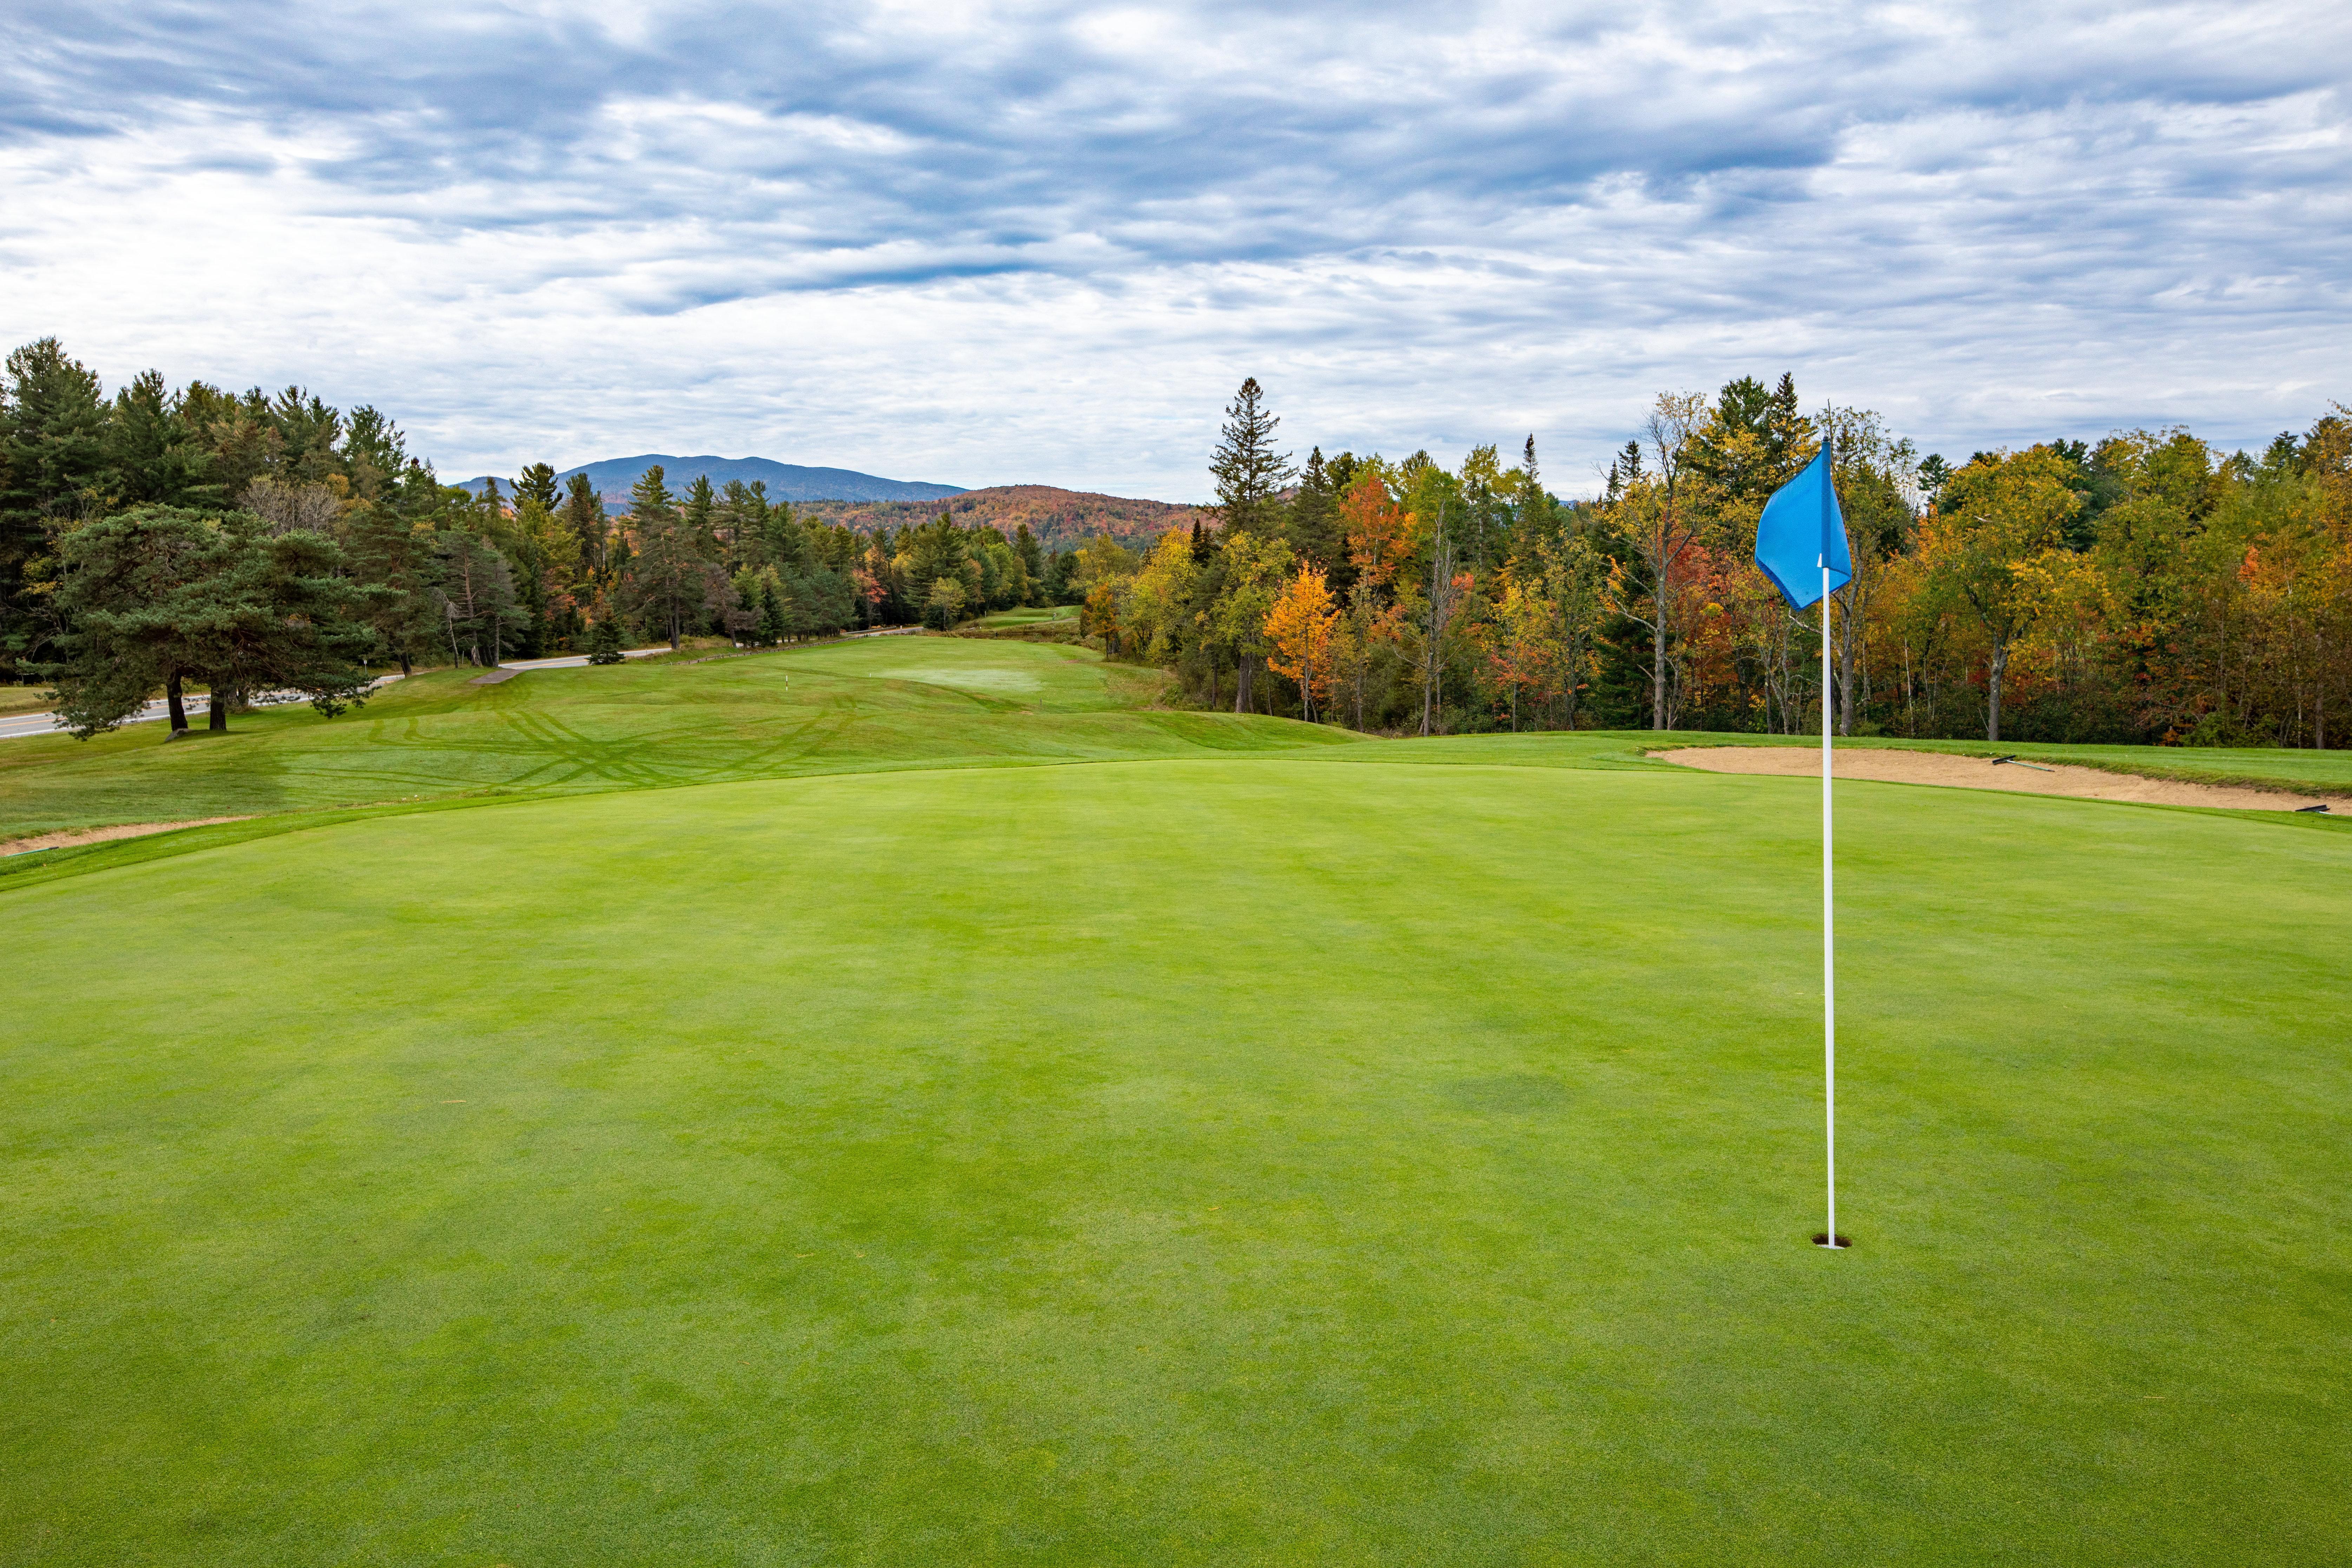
[1310, 1156]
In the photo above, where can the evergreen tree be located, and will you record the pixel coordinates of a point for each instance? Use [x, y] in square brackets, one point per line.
[584, 513]
[700, 513]
[151, 455]
[1033, 562]
[537, 485]
[1313, 531]
[473, 589]
[743, 521]
[1538, 522]
[774, 618]
[375, 454]
[52, 461]
[156, 595]
[784, 542]
[392, 559]
[136, 591]
[1249, 472]
[669, 576]
[605, 640]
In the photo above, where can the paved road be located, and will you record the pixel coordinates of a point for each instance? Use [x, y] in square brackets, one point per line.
[43, 724]
[575, 660]
[23, 724]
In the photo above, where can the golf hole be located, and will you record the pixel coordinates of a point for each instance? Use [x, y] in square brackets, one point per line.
[1821, 1238]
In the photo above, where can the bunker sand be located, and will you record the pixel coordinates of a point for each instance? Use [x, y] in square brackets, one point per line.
[100, 834]
[1881, 766]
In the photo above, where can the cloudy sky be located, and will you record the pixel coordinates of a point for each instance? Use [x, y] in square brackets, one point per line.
[985, 244]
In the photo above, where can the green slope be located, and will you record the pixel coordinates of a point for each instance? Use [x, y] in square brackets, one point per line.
[1203, 1160]
[868, 705]
[849, 707]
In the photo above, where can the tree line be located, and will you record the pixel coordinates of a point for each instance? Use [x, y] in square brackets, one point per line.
[2145, 588]
[250, 543]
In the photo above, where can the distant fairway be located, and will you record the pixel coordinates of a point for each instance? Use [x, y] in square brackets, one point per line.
[1256, 1150]
[844, 707]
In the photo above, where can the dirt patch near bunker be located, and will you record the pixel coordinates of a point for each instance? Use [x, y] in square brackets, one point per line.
[1888, 766]
[100, 834]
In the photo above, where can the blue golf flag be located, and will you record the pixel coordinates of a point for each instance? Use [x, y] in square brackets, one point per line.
[1801, 530]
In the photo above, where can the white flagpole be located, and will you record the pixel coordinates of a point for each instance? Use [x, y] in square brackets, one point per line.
[1829, 917]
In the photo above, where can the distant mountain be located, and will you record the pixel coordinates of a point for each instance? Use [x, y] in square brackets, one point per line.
[1062, 519]
[786, 481]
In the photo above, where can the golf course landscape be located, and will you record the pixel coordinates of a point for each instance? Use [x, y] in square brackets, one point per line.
[920, 1099]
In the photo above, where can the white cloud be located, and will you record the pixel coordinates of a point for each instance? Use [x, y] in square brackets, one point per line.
[990, 243]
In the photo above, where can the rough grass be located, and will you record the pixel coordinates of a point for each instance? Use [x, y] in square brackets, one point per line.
[1200, 1160]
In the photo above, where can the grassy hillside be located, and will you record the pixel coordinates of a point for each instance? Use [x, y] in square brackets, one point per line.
[1207, 1160]
[859, 706]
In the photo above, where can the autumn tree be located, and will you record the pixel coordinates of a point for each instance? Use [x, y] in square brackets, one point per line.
[1255, 568]
[1298, 629]
[1158, 600]
[1997, 516]
[1653, 516]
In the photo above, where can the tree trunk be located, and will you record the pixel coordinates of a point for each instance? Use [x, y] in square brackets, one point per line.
[1658, 665]
[1845, 654]
[172, 701]
[216, 708]
[401, 655]
[1241, 672]
[1999, 665]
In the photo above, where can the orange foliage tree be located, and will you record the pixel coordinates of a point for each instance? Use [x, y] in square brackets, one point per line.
[1300, 627]
[1379, 531]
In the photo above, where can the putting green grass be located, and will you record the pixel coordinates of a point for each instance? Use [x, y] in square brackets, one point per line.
[1246, 1159]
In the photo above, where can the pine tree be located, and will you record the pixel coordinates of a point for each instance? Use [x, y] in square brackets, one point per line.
[1033, 560]
[1250, 473]
[151, 455]
[669, 576]
[584, 513]
[1315, 522]
[605, 640]
[772, 616]
[537, 484]
[52, 457]
[701, 515]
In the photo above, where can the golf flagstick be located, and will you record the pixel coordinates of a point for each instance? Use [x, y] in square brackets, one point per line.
[1802, 518]
[1828, 923]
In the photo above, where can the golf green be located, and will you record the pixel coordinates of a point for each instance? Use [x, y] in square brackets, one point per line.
[1300, 1158]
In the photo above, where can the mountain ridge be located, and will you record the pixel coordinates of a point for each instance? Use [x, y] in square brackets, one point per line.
[1062, 519]
[793, 482]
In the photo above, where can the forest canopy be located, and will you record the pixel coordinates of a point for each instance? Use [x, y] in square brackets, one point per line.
[2146, 587]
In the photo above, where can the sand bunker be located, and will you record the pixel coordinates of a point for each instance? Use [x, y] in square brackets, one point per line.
[100, 834]
[1982, 773]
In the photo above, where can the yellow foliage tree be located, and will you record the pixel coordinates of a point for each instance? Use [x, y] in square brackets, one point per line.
[1300, 626]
